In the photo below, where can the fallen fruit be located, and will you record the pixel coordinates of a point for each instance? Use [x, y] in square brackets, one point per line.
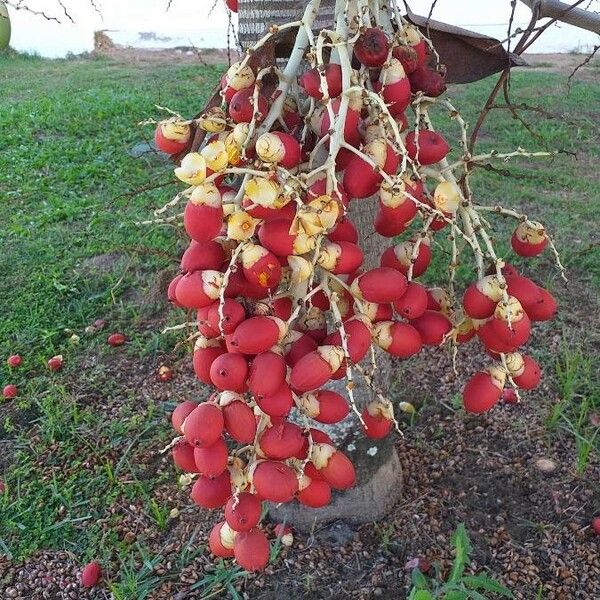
[14, 361]
[10, 391]
[55, 363]
[91, 574]
[116, 339]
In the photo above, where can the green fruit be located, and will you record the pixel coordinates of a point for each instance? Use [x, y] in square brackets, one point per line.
[4, 26]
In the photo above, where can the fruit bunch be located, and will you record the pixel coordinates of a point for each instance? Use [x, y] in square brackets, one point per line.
[274, 270]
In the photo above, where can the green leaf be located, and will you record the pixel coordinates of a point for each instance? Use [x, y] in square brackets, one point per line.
[462, 545]
[484, 582]
[456, 595]
[420, 595]
[418, 579]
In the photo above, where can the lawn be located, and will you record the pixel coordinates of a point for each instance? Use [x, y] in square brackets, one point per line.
[79, 449]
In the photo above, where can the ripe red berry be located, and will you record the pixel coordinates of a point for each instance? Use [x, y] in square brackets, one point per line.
[90, 576]
[10, 391]
[116, 339]
[14, 361]
[55, 363]
[596, 525]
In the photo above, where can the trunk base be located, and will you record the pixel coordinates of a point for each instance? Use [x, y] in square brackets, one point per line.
[377, 490]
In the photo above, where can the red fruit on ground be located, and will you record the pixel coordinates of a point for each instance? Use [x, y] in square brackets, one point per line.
[165, 373]
[90, 576]
[510, 396]
[14, 361]
[596, 525]
[55, 363]
[116, 339]
[10, 391]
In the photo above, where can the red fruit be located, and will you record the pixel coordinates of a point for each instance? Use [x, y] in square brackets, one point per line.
[298, 345]
[278, 404]
[204, 425]
[275, 481]
[261, 267]
[171, 290]
[212, 492]
[399, 339]
[199, 288]
[315, 368]
[10, 391]
[481, 297]
[203, 218]
[227, 318]
[531, 375]
[282, 307]
[202, 255]
[241, 107]
[281, 441]
[358, 338]
[204, 357]
[529, 239]
[396, 88]
[183, 456]
[425, 79]
[361, 179]
[372, 47]
[488, 336]
[229, 372]
[279, 148]
[325, 406]
[380, 285]
[515, 333]
[543, 310]
[340, 258]
[407, 57]
[256, 334]
[413, 302]
[181, 413]
[344, 231]
[251, 550]
[433, 327]
[376, 426]
[232, 5]
[211, 460]
[267, 374]
[55, 363]
[242, 513]
[239, 421]
[91, 574]
[172, 136]
[432, 147]
[275, 236]
[524, 290]
[334, 466]
[311, 81]
[351, 126]
[116, 339]
[165, 373]
[399, 257]
[14, 361]
[510, 396]
[316, 494]
[218, 538]
[596, 525]
[483, 390]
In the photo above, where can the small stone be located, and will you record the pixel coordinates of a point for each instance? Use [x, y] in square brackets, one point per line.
[545, 465]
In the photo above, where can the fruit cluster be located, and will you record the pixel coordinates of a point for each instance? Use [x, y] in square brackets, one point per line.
[274, 269]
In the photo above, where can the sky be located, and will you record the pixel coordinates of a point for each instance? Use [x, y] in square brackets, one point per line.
[187, 23]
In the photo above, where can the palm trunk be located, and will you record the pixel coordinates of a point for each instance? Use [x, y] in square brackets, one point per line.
[256, 15]
[379, 475]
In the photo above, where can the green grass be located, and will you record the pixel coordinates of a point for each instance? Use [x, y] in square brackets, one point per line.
[67, 127]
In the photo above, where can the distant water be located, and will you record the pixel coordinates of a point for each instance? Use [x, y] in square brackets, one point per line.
[54, 42]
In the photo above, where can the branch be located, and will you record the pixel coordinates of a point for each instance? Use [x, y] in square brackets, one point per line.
[565, 13]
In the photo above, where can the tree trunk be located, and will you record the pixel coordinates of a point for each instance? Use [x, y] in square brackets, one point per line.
[255, 16]
[379, 475]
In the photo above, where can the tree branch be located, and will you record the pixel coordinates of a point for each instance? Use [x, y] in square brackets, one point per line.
[563, 12]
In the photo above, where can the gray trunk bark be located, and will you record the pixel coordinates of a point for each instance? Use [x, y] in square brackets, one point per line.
[255, 16]
[379, 475]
